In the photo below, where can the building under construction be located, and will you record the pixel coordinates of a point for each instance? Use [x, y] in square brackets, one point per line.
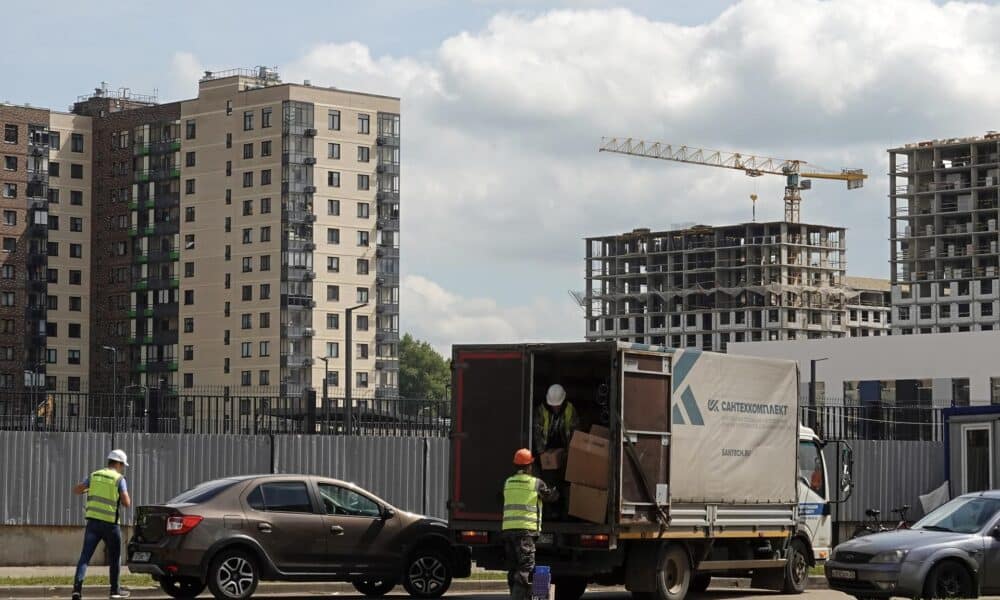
[706, 287]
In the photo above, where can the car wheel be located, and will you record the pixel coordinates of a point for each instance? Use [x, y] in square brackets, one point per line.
[569, 588]
[700, 583]
[948, 579]
[428, 574]
[374, 588]
[796, 569]
[182, 587]
[233, 575]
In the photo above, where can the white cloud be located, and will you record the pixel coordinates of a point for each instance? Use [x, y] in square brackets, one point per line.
[185, 71]
[502, 180]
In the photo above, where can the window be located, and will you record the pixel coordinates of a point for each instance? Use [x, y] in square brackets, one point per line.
[247, 151]
[53, 223]
[363, 238]
[75, 198]
[362, 380]
[10, 134]
[7, 299]
[811, 467]
[54, 143]
[265, 291]
[228, 224]
[264, 378]
[189, 159]
[332, 350]
[264, 320]
[189, 241]
[75, 277]
[75, 303]
[363, 182]
[362, 324]
[52, 275]
[333, 264]
[333, 178]
[10, 245]
[229, 168]
[248, 179]
[333, 208]
[10, 190]
[265, 177]
[189, 269]
[188, 325]
[364, 124]
[74, 330]
[364, 210]
[333, 293]
[994, 390]
[264, 349]
[247, 208]
[332, 151]
[76, 171]
[74, 357]
[52, 302]
[229, 140]
[986, 309]
[265, 118]
[226, 308]
[8, 272]
[265, 148]
[291, 496]
[229, 281]
[245, 351]
[189, 129]
[189, 214]
[189, 352]
[188, 297]
[362, 295]
[332, 118]
[76, 250]
[362, 266]
[9, 217]
[248, 235]
[246, 378]
[960, 391]
[248, 120]
[189, 187]
[53, 169]
[342, 501]
[51, 355]
[10, 163]
[362, 351]
[265, 261]
[247, 293]
[364, 154]
[76, 224]
[332, 236]
[332, 321]
[246, 320]
[229, 107]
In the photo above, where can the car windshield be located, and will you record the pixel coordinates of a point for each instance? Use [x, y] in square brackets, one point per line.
[203, 492]
[961, 515]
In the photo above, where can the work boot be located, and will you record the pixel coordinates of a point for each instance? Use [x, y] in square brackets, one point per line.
[120, 594]
[77, 591]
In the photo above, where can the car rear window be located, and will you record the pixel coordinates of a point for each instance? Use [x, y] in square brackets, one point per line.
[281, 496]
[204, 492]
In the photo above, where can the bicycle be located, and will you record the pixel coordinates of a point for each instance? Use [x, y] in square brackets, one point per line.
[873, 524]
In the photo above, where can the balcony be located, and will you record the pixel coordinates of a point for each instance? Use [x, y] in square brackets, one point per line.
[165, 310]
[159, 366]
[163, 283]
[140, 284]
[292, 301]
[157, 174]
[164, 337]
[387, 140]
[37, 230]
[297, 331]
[386, 336]
[157, 147]
[295, 361]
[166, 228]
[297, 245]
[387, 224]
[297, 273]
[35, 313]
[37, 260]
[298, 216]
[158, 256]
[387, 279]
[387, 196]
[387, 309]
[388, 169]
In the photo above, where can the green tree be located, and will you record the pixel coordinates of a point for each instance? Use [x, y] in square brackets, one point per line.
[423, 373]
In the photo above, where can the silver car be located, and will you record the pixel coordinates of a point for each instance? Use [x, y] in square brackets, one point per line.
[953, 552]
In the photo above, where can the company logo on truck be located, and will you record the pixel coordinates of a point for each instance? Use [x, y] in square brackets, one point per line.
[752, 408]
[687, 405]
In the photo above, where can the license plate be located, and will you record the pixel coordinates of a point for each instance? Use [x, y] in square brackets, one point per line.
[546, 538]
[140, 557]
[842, 574]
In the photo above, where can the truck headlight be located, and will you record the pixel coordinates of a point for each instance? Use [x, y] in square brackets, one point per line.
[893, 557]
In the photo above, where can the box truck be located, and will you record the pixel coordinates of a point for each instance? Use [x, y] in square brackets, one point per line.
[686, 465]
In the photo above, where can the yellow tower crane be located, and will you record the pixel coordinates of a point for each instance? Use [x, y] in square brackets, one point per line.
[794, 171]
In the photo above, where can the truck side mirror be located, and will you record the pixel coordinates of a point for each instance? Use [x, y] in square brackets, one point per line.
[847, 475]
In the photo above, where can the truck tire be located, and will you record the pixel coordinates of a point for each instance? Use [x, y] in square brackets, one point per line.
[672, 576]
[700, 583]
[569, 588]
[796, 569]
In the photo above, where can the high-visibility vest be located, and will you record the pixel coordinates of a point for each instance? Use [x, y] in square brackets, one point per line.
[568, 416]
[102, 496]
[522, 509]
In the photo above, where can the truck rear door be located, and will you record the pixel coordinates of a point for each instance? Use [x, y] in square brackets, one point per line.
[645, 414]
[490, 423]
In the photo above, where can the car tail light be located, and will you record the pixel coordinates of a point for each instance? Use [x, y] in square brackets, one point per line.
[181, 524]
[473, 537]
[599, 540]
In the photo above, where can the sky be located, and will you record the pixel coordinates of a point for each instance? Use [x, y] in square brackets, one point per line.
[504, 104]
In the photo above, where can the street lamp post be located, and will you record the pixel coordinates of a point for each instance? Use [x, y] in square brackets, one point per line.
[145, 405]
[348, 404]
[114, 385]
[813, 415]
[326, 381]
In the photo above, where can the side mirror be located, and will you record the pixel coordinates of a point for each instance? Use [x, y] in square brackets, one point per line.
[388, 513]
[995, 532]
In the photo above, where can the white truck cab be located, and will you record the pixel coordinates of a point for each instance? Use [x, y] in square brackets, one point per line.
[817, 493]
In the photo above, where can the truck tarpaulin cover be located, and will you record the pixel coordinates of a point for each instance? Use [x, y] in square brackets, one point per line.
[734, 429]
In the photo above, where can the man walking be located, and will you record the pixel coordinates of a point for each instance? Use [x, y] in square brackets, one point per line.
[523, 495]
[106, 490]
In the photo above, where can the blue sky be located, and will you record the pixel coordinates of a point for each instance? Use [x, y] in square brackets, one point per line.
[505, 102]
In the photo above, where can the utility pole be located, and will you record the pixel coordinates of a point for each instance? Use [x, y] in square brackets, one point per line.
[813, 411]
[114, 387]
[326, 382]
[348, 381]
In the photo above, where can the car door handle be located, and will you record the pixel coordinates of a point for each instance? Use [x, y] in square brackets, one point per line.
[264, 527]
[336, 530]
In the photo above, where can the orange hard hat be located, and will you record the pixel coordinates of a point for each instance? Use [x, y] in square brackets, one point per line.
[523, 457]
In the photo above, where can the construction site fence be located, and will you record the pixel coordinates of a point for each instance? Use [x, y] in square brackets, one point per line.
[874, 421]
[156, 411]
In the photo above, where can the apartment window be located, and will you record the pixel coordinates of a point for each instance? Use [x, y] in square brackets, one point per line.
[264, 378]
[332, 118]
[75, 304]
[246, 320]
[332, 321]
[53, 169]
[264, 349]
[265, 177]
[53, 196]
[8, 271]
[76, 250]
[52, 302]
[332, 236]
[189, 352]
[189, 241]
[188, 297]
[362, 380]
[362, 295]
[265, 148]
[364, 154]
[960, 391]
[54, 143]
[246, 378]
[333, 178]
[189, 159]
[264, 320]
[188, 325]
[332, 151]
[363, 238]
[245, 351]
[51, 355]
[189, 187]
[265, 291]
[226, 308]
[265, 118]
[362, 351]
[247, 208]
[10, 134]
[363, 182]
[189, 269]
[10, 162]
[333, 264]
[8, 326]
[52, 275]
[228, 226]
[75, 277]
[229, 140]
[247, 293]
[362, 266]
[229, 168]
[364, 124]
[362, 323]
[229, 281]
[189, 214]
[265, 232]
[53, 223]
[333, 293]
[76, 171]
[364, 210]
[9, 217]
[228, 255]
[332, 350]
[74, 330]
[333, 208]
[75, 198]
[76, 224]
[248, 179]
[10, 190]
[265, 261]
[10, 245]
[7, 299]
[248, 235]
[247, 151]
[76, 142]
[994, 390]
[189, 129]
[248, 120]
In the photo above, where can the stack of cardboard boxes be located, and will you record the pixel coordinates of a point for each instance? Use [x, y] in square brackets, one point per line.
[587, 471]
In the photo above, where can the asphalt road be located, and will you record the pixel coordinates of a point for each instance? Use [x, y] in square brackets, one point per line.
[731, 594]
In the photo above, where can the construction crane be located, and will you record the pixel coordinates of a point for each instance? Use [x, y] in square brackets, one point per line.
[795, 172]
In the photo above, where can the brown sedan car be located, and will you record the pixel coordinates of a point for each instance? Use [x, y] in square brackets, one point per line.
[230, 534]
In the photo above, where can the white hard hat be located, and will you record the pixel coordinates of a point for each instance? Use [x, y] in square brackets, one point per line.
[118, 456]
[556, 395]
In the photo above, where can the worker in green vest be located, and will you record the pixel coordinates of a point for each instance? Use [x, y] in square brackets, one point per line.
[106, 490]
[555, 421]
[523, 495]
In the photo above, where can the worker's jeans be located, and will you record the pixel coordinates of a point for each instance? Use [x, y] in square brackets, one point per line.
[97, 532]
[519, 551]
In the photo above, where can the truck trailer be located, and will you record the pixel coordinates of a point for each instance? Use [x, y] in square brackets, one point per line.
[704, 469]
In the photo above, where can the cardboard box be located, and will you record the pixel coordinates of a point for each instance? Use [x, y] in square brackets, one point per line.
[587, 503]
[588, 460]
[552, 460]
[600, 431]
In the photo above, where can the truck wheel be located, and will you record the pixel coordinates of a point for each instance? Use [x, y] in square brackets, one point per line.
[700, 583]
[796, 569]
[569, 588]
[673, 574]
